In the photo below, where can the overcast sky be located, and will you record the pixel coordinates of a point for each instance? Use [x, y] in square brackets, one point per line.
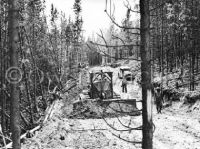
[94, 17]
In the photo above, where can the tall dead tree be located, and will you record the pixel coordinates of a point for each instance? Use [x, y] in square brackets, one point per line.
[146, 75]
[13, 48]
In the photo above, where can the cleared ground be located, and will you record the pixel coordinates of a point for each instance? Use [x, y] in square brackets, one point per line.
[175, 129]
[178, 127]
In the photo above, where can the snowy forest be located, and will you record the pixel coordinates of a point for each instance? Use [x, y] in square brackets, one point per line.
[133, 85]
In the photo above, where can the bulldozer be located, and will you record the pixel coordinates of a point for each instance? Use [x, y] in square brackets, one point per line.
[100, 89]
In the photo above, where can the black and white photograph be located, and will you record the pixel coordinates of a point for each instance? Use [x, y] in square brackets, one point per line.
[99, 74]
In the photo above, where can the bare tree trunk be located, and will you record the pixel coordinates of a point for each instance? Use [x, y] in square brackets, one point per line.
[13, 45]
[162, 45]
[193, 71]
[3, 101]
[146, 75]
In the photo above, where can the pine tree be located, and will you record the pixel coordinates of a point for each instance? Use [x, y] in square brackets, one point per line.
[13, 44]
[146, 75]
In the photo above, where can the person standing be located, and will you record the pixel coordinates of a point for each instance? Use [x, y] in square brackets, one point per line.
[159, 100]
[124, 85]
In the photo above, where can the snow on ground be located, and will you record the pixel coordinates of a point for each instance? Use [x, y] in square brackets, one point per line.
[178, 127]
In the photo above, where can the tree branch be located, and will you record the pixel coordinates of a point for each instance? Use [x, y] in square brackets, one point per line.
[133, 142]
[113, 21]
[129, 7]
[107, 55]
[112, 46]
[131, 128]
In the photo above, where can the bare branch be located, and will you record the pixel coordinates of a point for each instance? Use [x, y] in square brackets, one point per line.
[106, 45]
[133, 142]
[131, 128]
[104, 54]
[107, 55]
[113, 9]
[111, 126]
[24, 119]
[112, 46]
[113, 21]
[106, 5]
[129, 7]
[116, 37]
[133, 33]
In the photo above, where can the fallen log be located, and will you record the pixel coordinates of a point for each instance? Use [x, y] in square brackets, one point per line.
[48, 115]
[4, 138]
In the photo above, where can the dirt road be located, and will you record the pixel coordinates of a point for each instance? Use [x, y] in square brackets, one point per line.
[178, 127]
[175, 129]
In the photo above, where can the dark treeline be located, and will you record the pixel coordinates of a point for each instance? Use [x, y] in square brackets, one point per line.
[175, 39]
[48, 56]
